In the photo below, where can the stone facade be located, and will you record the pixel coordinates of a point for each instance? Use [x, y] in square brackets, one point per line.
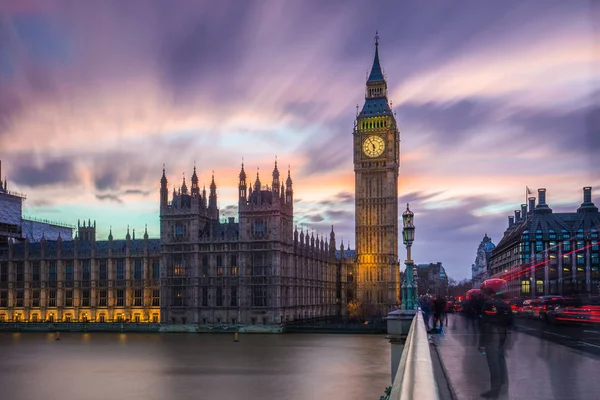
[81, 280]
[257, 271]
[548, 253]
[480, 269]
[376, 163]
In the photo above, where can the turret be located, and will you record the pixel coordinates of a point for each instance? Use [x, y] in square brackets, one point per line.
[183, 186]
[195, 187]
[257, 187]
[242, 186]
[275, 184]
[332, 243]
[164, 192]
[212, 199]
[289, 192]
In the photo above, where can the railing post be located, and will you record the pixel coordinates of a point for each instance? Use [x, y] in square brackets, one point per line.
[398, 325]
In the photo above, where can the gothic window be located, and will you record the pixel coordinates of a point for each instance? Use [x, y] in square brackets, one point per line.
[103, 298]
[233, 297]
[20, 272]
[35, 298]
[155, 297]
[3, 272]
[137, 272]
[120, 269]
[86, 271]
[179, 265]
[155, 269]
[69, 298]
[103, 270]
[3, 298]
[205, 297]
[138, 297]
[120, 297]
[69, 275]
[35, 271]
[51, 297]
[178, 296]
[259, 227]
[259, 296]
[85, 298]
[219, 261]
[180, 231]
[219, 296]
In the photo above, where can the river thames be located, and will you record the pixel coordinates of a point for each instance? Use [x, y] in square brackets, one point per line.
[83, 366]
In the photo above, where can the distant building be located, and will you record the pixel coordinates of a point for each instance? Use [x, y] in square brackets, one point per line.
[432, 279]
[480, 269]
[547, 253]
[16, 228]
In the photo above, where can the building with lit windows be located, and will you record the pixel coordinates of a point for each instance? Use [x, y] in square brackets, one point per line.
[547, 253]
[81, 280]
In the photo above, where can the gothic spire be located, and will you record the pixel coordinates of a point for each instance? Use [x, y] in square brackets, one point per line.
[213, 186]
[289, 178]
[257, 183]
[242, 173]
[194, 178]
[183, 185]
[163, 179]
[376, 74]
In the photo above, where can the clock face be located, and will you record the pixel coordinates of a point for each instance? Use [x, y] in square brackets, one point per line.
[373, 146]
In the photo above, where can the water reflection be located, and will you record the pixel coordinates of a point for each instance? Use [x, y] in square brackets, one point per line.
[153, 366]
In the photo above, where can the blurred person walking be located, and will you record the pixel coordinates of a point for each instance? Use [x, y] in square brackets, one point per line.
[439, 310]
[496, 318]
[426, 310]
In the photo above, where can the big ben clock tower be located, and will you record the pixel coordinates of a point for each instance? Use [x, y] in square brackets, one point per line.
[376, 163]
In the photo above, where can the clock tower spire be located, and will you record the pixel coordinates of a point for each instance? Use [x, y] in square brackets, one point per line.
[376, 164]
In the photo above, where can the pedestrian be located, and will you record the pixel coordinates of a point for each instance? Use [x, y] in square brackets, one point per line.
[496, 318]
[439, 308]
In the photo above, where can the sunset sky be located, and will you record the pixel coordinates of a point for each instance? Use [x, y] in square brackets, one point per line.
[490, 97]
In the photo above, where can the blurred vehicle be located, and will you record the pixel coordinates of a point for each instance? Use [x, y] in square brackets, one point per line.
[548, 303]
[529, 307]
[587, 312]
[515, 304]
[568, 302]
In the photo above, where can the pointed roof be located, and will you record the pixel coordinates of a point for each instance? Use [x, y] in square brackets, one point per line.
[275, 170]
[194, 175]
[376, 74]
[163, 178]
[288, 181]
[213, 185]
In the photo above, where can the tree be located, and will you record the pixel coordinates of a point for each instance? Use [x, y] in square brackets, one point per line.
[458, 288]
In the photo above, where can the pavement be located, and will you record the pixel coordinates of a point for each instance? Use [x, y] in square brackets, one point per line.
[539, 367]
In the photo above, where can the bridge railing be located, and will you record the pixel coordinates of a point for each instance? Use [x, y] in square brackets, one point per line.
[415, 378]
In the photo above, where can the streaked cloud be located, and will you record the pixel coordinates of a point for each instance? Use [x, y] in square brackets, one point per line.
[490, 97]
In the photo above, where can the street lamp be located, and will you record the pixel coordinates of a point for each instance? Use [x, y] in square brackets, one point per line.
[409, 289]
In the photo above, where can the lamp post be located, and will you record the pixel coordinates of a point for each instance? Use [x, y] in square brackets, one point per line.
[409, 287]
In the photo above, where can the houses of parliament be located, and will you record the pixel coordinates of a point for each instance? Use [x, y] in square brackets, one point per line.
[256, 271]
